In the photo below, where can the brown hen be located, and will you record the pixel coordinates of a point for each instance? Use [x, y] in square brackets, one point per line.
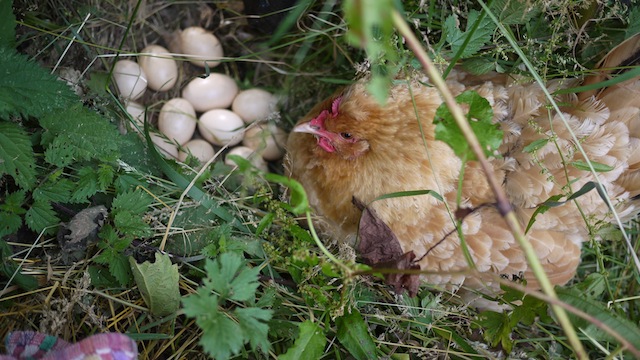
[349, 146]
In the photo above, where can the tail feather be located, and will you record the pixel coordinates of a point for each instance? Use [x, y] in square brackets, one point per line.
[619, 60]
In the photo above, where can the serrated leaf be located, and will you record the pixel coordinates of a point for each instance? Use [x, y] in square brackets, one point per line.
[309, 344]
[584, 165]
[40, 216]
[221, 336]
[86, 186]
[58, 191]
[120, 269]
[230, 276]
[480, 118]
[254, 324]
[497, 329]
[106, 173]
[131, 224]
[77, 133]
[457, 38]
[158, 284]
[13, 202]
[512, 12]
[354, 335]
[479, 65]
[9, 223]
[27, 89]
[16, 155]
[135, 202]
[7, 25]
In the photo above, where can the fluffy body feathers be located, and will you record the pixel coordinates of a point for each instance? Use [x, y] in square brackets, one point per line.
[350, 146]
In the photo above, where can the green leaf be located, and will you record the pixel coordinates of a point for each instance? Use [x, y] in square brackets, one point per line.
[469, 42]
[78, 133]
[106, 173]
[158, 284]
[497, 329]
[58, 191]
[7, 25]
[553, 201]
[13, 202]
[479, 65]
[9, 223]
[131, 224]
[86, 186]
[221, 336]
[135, 202]
[480, 118]
[622, 326]
[584, 165]
[513, 12]
[120, 269]
[16, 155]
[309, 344]
[536, 145]
[230, 277]
[254, 324]
[27, 89]
[354, 335]
[40, 216]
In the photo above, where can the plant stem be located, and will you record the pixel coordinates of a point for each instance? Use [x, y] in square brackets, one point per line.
[503, 204]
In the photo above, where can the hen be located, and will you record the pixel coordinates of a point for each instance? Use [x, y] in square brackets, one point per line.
[350, 147]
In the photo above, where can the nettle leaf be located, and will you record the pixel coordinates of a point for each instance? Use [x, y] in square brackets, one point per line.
[480, 118]
[9, 223]
[86, 186]
[230, 276]
[29, 90]
[16, 155]
[135, 202]
[497, 329]
[514, 12]
[112, 246]
[131, 224]
[10, 211]
[57, 191]
[40, 216]
[158, 284]
[477, 38]
[309, 344]
[78, 133]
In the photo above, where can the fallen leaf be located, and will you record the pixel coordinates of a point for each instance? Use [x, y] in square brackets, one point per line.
[158, 284]
[379, 247]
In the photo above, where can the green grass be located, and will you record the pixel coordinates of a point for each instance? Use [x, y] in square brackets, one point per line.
[245, 260]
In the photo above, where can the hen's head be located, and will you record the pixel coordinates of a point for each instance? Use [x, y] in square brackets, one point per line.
[335, 130]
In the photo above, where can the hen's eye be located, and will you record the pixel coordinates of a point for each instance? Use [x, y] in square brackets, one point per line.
[345, 135]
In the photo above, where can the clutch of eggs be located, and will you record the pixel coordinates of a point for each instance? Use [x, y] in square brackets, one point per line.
[223, 115]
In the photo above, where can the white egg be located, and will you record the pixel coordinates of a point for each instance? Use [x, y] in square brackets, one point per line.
[216, 91]
[249, 154]
[164, 146]
[221, 127]
[177, 120]
[199, 148]
[130, 79]
[200, 45]
[254, 105]
[137, 112]
[160, 67]
[267, 139]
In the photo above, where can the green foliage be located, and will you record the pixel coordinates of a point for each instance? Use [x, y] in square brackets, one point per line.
[158, 284]
[371, 28]
[309, 344]
[225, 332]
[354, 335]
[16, 155]
[112, 255]
[10, 270]
[77, 134]
[27, 89]
[480, 118]
[466, 43]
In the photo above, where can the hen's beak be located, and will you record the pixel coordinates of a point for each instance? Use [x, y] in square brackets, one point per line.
[306, 127]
